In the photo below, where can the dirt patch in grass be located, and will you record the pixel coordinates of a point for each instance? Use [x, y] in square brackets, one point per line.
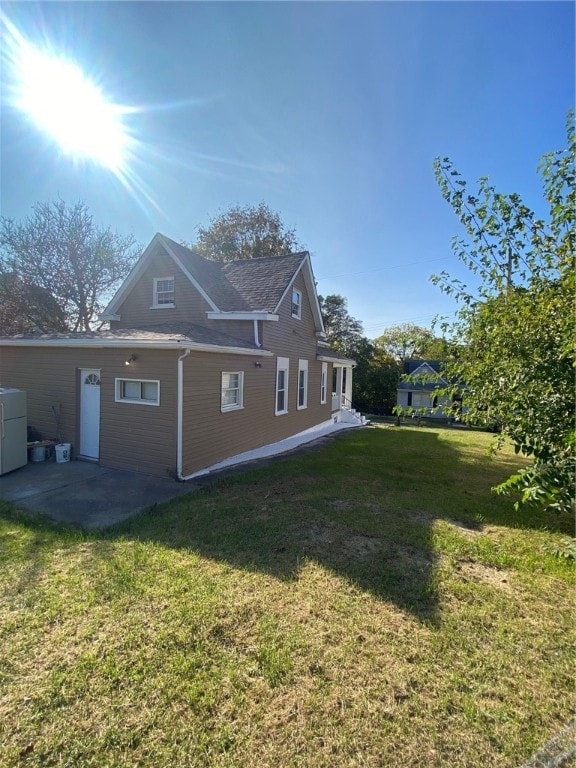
[340, 540]
[345, 504]
[494, 577]
[362, 546]
[411, 557]
[420, 516]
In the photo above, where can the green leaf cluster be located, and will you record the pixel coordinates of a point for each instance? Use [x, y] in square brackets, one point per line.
[407, 341]
[246, 232]
[517, 331]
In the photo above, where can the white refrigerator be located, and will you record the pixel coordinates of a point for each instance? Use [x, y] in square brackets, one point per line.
[13, 429]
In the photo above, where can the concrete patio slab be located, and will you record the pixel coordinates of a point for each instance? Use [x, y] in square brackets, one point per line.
[84, 494]
[89, 496]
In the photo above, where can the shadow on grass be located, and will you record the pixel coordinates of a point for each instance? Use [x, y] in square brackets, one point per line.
[362, 506]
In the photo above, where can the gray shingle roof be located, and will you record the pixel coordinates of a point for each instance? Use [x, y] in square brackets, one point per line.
[331, 353]
[211, 277]
[262, 282]
[182, 332]
[243, 285]
[198, 334]
[412, 365]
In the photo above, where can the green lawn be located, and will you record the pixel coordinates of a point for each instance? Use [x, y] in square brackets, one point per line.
[367, 604]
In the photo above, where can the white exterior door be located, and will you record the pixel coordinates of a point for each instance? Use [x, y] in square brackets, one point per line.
[90, 413]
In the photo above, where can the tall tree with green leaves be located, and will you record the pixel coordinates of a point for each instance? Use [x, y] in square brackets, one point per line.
[64, 253]
[375, 380]
[407, 340]
[343, 332]
[376, 374]
[248, 232]
[518, 328]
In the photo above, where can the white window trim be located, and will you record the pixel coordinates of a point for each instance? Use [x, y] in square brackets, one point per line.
[298, 315]
[302, 368]
[282, 364]
[155, 304]
[324, 384]
[233, 406]
[134, 401]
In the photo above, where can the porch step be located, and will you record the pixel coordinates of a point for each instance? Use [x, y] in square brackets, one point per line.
[352, 416]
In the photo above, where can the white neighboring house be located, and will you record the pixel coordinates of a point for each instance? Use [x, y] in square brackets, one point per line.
[421, 394]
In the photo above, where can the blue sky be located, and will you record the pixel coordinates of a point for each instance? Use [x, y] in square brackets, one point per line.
[332, 113]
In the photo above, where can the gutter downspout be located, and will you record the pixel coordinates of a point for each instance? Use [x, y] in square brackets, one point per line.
[256, 339]
[180, 414]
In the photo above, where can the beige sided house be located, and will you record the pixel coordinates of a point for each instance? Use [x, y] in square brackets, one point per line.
[202, 362]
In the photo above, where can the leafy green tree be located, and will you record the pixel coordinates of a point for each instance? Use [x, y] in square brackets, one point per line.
[62, 252]
[376, 373]
[246, 233]
[518, 356]
[375, 379]
[406, 341]
[343, 332]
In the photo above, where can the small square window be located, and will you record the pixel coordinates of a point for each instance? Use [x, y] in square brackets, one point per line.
[296, 304]
[232, 391]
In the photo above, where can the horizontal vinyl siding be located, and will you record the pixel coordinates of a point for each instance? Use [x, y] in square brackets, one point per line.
[209, 436]
[239, 329]
[142, 437]
[290, 337]
[190, 306]
[132, 436]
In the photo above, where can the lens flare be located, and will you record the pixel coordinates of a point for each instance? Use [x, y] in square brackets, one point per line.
[67, 106]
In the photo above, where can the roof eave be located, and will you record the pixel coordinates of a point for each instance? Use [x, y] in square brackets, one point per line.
[327, 358]
[241, 315]
[134, 344]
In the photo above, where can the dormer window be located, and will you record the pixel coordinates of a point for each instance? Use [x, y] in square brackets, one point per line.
[163, 296]
[296, 303]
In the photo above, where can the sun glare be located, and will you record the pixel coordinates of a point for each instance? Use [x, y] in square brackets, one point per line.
[62, 102]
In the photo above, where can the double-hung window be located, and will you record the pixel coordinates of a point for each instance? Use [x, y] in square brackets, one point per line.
[323, 380]
[420, 399]
[140, 391]
[302, 384]
[232, 391]
[296, 304]
[282, 371]
[163, 296]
